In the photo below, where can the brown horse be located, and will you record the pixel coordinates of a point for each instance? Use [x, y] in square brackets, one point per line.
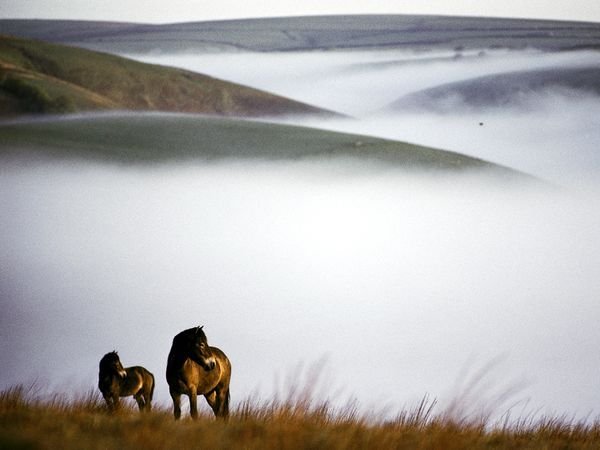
[194, 368]
[115, 381]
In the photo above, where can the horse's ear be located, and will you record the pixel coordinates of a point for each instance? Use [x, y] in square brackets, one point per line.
[199, 329]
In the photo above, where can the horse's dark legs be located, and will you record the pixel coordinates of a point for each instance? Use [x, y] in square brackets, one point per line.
[211, 398]
[219, 402]
[147, 402]
[223, 400]
[193, 402]
[147, 392]
[140, 401]
[109, 402]
[224, 403]
[176, 404]
[114, 404]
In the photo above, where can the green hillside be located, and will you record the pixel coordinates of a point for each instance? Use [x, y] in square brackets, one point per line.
[39, 77]
[150, 138]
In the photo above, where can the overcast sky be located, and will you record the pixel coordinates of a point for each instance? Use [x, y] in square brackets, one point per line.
[194, 10]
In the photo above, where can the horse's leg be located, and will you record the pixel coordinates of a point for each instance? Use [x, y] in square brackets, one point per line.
[148, 390]
[140, 400]
[193, 402]
[115, 402]
[147, 401]
[211, 399]
[109, 402]
[223, 402]
[176, 404]
[219, 402]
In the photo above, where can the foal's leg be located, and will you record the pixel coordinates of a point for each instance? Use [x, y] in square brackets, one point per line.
[176, 404]
[108, 400]
[147, 391]
[140, 400]
[147, 401]
[115, 402]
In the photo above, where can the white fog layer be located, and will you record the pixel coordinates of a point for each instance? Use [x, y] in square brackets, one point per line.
[360, 82]
[400, 281]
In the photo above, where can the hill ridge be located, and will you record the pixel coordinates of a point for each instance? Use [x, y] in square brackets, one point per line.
[161, 137]
[319, 32]
[128, 84]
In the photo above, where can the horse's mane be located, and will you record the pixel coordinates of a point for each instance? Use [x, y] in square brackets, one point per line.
[185, 335]
[110, 356]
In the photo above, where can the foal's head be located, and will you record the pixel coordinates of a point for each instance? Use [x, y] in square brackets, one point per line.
[110, 364]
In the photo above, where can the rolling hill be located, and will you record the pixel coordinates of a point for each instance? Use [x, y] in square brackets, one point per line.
[39, 77]
[150, 138]
[315, 33]
[503, 89]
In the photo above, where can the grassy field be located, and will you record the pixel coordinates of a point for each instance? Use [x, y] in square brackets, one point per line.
[38, 77]
[28, 422]
[150, 138]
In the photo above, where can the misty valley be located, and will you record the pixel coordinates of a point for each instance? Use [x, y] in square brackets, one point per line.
[547, 128]
[420, 219]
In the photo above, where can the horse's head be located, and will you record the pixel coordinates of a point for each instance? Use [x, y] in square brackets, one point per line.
[110, 363]
[198, 349]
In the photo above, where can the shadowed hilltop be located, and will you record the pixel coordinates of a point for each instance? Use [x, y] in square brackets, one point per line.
[503, 89]
[314, 33]
[38, 77]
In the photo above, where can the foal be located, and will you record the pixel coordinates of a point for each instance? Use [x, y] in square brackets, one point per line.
[114, 381]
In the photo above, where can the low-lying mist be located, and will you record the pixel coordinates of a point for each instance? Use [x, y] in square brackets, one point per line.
[555, 139]
[362, 82]
[399, 282]
[554, 134]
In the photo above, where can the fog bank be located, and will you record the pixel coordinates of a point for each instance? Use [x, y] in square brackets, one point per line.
[401, 281]
[553, 135]
[362, 82]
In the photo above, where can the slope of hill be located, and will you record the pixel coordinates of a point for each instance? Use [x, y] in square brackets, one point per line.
[315, 32]
[149, 138]
[38, 77]
[503, 89]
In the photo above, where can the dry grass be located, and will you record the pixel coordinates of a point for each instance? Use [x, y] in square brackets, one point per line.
[31, 421]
